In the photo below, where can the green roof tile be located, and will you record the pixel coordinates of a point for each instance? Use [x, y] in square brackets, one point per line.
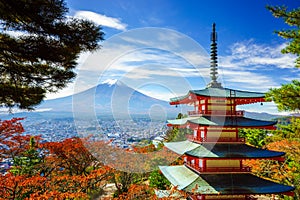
[222, 184]
[223, 121]
[232, 151]
[229, 184]
[220, 92]
[181, 147]
[208, 150]
[179, 175]
[203, 121]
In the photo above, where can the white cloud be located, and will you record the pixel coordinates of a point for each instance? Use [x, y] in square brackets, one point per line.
[250, 54]
[247, 66]
[257, 67]
[246, 80]
[101, 19]
[69, 90]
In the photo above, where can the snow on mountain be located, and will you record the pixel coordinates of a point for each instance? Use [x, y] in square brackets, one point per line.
[109, 97]
[110, 82]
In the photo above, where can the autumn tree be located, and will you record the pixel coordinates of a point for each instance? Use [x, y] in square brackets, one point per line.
[55, 176]
[138, 192]
[286, 172]
[13, 141]
[71, 155]
[285, 138]
[39, 47]
[56, 186]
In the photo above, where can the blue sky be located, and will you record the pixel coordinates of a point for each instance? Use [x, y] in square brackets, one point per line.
[172, 56]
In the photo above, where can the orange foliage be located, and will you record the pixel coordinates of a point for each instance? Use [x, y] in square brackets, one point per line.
[70, 155]
[283, 172]
[12, 140]
[68, 170]
[144, 149]
[137, 192]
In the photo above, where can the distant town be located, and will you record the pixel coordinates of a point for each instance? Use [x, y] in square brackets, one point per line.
[123, 132]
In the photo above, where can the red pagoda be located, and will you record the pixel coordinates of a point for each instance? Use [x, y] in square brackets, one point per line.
[214, 153]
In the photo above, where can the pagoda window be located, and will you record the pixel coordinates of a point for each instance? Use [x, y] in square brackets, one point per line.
[193, 162]
[202, 134]
[203, 107]
[201, 163]
[195, 133]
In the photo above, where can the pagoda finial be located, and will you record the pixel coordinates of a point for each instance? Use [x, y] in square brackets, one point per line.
[214, 60]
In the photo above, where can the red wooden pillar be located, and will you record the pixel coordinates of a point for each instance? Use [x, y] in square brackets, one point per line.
[241, 165]
[205, 133]
[196, 163]
[206, 105]
[204, 165]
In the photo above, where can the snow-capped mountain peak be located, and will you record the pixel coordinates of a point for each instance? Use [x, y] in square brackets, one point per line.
[110, 82]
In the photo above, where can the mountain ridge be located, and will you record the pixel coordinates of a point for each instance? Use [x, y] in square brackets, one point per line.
[108, 98]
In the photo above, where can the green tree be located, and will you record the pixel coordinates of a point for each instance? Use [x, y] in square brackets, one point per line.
[176, 134]
[157, 180]
[27, 162]
[288, 129]
[287, 97]
[255, 137]
[292, 18]
[41, 57]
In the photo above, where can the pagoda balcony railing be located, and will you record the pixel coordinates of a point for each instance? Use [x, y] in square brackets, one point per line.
[218, 169]
[215, 139]
[239, 113]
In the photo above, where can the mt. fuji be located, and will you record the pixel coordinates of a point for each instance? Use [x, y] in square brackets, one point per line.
[109, 97]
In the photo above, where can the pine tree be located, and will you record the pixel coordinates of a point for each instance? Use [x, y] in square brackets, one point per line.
[39, 46]
[287, 97]
[291, 18]
[26, 163]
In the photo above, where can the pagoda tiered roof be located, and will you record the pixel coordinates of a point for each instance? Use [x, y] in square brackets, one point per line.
[214, 153]
[220, 184]
[217, 150]
[210, 92]
[228, 121]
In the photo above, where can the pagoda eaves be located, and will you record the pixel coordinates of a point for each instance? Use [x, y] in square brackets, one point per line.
[241, 97]
[220, 121]
[221, 184]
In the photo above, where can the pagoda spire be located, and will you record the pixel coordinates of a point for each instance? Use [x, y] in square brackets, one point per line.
[214, 60]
